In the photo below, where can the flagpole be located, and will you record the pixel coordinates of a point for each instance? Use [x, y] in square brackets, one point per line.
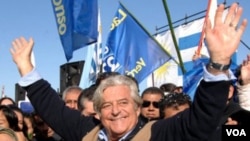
[203, 33]
[99, 64]
[173, 36]
[153, 82]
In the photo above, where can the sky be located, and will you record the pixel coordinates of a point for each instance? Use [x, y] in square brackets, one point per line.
[29, 18]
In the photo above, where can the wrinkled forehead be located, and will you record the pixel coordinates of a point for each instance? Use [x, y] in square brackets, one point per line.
[116, 92]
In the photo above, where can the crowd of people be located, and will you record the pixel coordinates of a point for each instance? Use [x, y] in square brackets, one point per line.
[114, 109]
[27, 126]
[155, 105]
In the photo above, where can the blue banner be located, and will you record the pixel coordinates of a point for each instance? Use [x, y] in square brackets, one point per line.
[189, 41]
[76, 22]
[130, 49]
[192, 78]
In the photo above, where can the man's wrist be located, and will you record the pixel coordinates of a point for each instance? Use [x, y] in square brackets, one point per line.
[211, 74]
[215, 71]
[25, 68]
[218, 66]
[29, 78]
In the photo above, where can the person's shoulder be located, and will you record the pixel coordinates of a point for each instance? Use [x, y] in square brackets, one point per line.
[145, 132]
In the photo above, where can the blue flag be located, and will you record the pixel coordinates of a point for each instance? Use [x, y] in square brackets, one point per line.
[192, 78]
[76, 23]
[130, 49]
[96, 56]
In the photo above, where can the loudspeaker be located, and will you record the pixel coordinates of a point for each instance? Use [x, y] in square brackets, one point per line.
[70, 74]
[20, 93]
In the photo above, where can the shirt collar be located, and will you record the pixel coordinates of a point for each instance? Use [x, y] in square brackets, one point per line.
[102, 135]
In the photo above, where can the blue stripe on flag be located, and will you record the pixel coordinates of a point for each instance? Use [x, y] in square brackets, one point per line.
[189, 41]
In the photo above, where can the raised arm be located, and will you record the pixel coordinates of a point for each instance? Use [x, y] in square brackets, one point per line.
[21, 54]
[224, 38]
[202, 118]
[68, 123]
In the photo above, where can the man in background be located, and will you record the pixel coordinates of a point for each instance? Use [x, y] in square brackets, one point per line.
[70, 96]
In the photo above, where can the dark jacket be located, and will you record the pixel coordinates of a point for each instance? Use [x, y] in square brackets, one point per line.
[55, 137]
[234, 111]
[194, 124]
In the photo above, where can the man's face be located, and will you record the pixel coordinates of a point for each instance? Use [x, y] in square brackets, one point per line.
[89, 109]
[71, 99]
[119, 113]
[150, 107]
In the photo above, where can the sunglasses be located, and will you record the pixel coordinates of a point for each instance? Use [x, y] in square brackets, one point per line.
[148, 103]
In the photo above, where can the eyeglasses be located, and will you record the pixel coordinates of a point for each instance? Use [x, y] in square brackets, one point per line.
[148, 103]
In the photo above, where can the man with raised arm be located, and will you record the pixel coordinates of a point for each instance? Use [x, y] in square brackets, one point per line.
[118, 103]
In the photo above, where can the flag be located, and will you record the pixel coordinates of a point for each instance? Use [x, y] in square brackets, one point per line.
[92, 59]
[96, 60]
[190, 35]
[130, 49]
[76, 23]
[168, 72]
[187, 36]
[212, 10]
[194, 68]
[192, 78]
[85, 82]
[188, 42]
[210, 14]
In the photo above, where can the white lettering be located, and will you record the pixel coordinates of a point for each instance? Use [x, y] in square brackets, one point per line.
[236, 132]
[243, 133]
[113, 66]
[60, 15]
[117, 21]
[137, 68]
[109, 64]
[229, 131]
